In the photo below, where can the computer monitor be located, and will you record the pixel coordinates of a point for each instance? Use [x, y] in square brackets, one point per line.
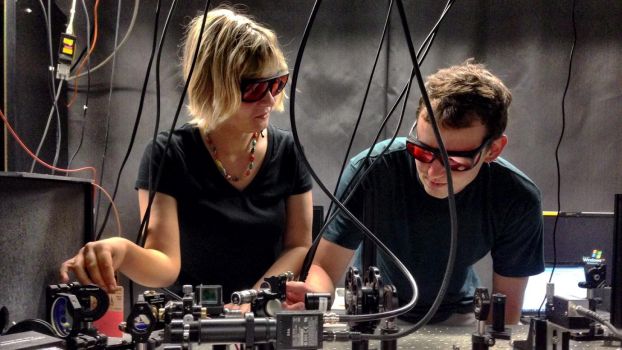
[577, 236]
[566, 280]
[44, 220]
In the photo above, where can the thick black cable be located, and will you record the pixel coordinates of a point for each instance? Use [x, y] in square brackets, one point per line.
[308, 260]
[421, 54]
[142, 232]
[138, 116]
[451, 197]
[427, 43]
[453, 246]
[360, 115]
[399, 264]
[152, 192]
[107, 133]
[145, 219]
[558, 146]
[424, 46]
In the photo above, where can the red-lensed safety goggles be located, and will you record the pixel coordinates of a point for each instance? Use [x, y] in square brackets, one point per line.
[458, 160]
[254, 90]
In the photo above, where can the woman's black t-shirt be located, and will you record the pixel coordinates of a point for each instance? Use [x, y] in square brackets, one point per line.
[228, 237]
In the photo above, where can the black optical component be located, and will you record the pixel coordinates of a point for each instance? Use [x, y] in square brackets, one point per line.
[71, 306]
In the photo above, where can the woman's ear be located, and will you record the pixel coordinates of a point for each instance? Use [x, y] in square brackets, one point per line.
[495, 148]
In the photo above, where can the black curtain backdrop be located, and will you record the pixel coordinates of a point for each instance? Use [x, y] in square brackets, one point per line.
[526, 43]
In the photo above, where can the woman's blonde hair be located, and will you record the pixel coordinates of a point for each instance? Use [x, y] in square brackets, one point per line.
[233, 47]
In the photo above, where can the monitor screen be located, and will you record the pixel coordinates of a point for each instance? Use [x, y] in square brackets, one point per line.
[44, 220]
[566, 280]
[577, 236]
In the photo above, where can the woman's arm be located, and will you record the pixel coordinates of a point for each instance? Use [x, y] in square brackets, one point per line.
[297, 237]
[155, 265]
[162, 245]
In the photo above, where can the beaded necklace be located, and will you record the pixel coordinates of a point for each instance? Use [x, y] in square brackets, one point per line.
[221, 168]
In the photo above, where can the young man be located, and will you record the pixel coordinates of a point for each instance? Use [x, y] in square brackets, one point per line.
[403, 201]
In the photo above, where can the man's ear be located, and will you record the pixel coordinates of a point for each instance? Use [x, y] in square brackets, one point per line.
[495, 148]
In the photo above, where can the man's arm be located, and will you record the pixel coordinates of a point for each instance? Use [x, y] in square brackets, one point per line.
[333, 259]
[514, 289]
[329, 264]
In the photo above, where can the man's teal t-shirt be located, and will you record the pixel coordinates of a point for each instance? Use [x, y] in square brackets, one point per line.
[498, 212]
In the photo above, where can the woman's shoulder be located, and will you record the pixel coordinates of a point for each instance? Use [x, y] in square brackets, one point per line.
[281, 138]
[280, 133]
[184, 134]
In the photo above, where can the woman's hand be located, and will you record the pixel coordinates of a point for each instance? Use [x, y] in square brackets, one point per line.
[244, 308]
[96, 263]
[296, 292]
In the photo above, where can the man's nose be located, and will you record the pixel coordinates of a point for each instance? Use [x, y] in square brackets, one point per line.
[436, 169]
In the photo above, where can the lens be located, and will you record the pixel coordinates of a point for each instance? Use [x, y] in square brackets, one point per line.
[420, 154]
[278, 84]
[456, 163]
[255, 90]
[61, 316]
[460, 163]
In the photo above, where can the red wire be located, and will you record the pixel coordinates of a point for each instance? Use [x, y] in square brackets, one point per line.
[94, 180]
[37, 159]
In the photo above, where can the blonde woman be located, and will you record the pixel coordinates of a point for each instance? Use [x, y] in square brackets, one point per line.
[234, 202]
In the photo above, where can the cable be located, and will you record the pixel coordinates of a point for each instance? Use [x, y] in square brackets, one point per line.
[444, 285]
[114, 207]
[72, 13]
[55, 94]
[141, 236]
[399, 264]
[107, 133]
[360, 115]
[144, 225]
[50, 49]
[138, 116]
[353, 185]
[596, 317]
[59, 129]
[171, 294]
[47, 125]
[451, 196]
[559, 142]
[38, 160]
[308, 260]
[117, 47]
[137, 123]
[349, 190]
[426, 44]
[21, 143]
[94, 43]
[85, 107]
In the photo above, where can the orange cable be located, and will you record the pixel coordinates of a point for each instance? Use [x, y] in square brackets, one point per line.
[38, 160]
[88, 55]
[114, 207]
